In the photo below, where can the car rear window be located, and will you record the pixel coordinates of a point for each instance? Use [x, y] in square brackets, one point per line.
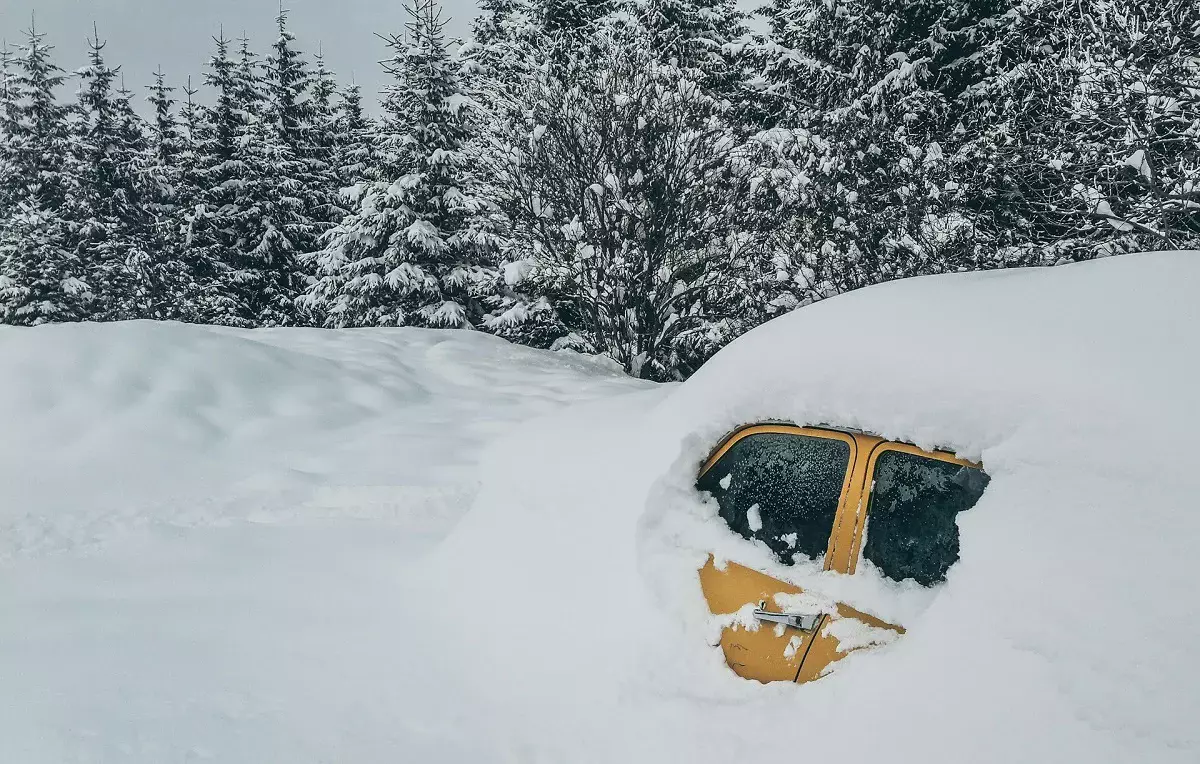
[782, 489]
[912, 528]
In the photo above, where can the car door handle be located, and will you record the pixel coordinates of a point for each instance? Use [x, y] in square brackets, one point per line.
[803, 621]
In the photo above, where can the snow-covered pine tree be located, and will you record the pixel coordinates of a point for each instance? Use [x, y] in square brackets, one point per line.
[11, 188]
[166, 287]
[355, 149]
[861, 164]
[105, 207]
[1088, 119]
[697, 34]
[508, 45]
[248, 85]
[40, 142]
[500, 21]
[141, 246]
[250, 202]
[270, 219]
[320, 148]
[41, 278]
[190, 116]
[416, 249]
[500, 52]
[262, 199]
[216, 179]
[287, 81]
[323, 136]
[571, 17]
[205, 297]
[164, 139]
[286, 198]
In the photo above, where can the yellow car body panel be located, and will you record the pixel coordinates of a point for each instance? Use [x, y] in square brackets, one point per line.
[752, 650]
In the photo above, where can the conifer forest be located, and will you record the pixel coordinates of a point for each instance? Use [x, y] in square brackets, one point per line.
[641, 179]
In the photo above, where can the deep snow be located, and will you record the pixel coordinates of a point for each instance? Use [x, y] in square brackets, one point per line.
[308, 546]
[1068, 632]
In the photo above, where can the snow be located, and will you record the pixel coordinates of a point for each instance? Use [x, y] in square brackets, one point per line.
[754, 519]
[395, 545]
[852, 634]
[1138, 162]
[203, 533]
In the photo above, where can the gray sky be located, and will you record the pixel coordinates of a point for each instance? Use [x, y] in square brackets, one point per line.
[142, 34]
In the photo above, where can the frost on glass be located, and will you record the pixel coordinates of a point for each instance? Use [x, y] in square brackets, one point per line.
[912, 529]
[780, 489]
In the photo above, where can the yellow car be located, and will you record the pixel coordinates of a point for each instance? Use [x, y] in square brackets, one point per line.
[823, 494]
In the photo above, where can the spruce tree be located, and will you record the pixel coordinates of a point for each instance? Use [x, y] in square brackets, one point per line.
[40, 143]
[571, 18]
[1084, 129]
[166, 285]
[862, 164]
[164, 139]
[323, 137]
[106, 206]
[415, 250]
[267, 211]
[210, 227]
[357, 133]
[11, 187]
[696, 34]
[41, 277]
[285, 185]
[502, 50]
[204, 275]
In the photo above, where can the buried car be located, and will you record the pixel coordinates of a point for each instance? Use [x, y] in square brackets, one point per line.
[835, 496]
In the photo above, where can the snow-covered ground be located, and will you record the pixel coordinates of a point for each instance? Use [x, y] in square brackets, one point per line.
[203, 533]
[366, 547]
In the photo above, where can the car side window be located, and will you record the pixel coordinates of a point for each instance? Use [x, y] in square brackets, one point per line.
[782, 489]
[912, 529]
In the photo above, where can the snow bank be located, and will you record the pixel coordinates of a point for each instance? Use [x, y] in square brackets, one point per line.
[572, 613]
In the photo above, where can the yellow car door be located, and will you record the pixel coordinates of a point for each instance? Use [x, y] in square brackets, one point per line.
[785, 486]
[896, 508]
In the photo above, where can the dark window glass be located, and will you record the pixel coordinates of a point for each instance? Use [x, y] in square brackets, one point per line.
[911, 529]
[781, 489]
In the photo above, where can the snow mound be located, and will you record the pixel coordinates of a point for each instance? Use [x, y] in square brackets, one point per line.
[111, 427]
[1067, 632]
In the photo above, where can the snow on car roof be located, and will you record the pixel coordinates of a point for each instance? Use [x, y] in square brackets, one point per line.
[1067, 631]
[1095, 345]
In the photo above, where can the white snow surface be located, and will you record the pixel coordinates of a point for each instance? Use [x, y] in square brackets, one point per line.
[369, 546]
[203, 533]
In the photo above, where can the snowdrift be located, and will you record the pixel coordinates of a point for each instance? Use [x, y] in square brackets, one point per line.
[571, 612]
[202, 534]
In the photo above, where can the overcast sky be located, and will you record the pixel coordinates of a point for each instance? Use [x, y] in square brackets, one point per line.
[142, 34]
[177, 34]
